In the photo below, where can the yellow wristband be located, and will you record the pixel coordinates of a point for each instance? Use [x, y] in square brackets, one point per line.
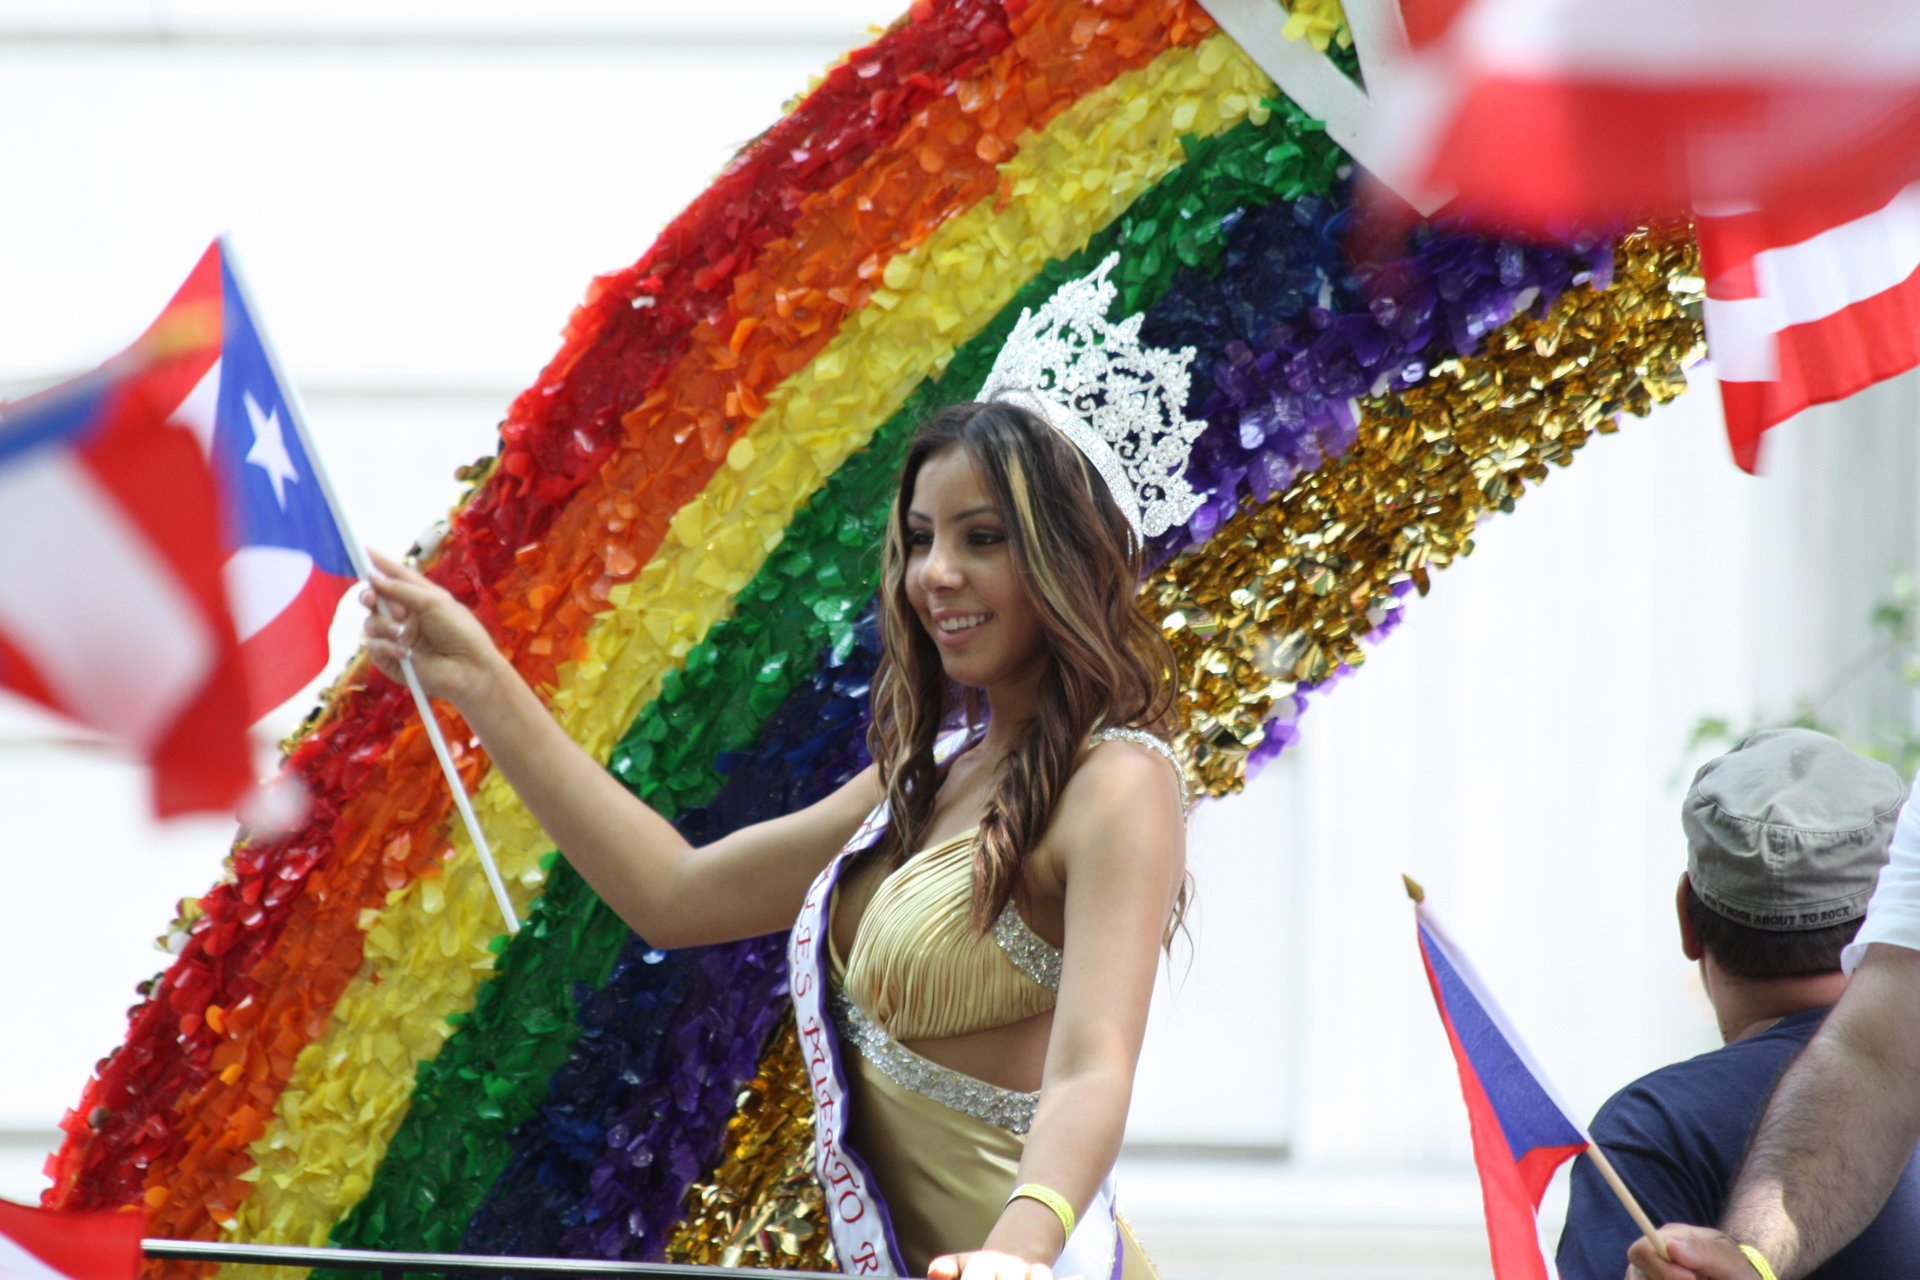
[1058, 1203]
[1759, 1261]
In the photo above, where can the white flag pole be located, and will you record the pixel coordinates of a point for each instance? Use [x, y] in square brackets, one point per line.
[358, 554]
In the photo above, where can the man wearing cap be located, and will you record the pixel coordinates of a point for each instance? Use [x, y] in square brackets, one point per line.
[1786, 834]
[1843, 1121]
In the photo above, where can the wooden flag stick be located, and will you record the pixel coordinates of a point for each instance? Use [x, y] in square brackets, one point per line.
[1632, 1206]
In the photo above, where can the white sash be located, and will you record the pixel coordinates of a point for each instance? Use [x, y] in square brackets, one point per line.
[857, 1217]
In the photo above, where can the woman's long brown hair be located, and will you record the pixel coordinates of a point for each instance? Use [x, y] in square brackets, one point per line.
[1108, 667]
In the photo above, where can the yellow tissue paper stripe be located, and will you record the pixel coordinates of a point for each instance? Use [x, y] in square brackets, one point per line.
[427, 952]
[1319, 22]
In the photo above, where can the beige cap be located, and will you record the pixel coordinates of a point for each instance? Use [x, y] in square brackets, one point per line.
[1789, 830]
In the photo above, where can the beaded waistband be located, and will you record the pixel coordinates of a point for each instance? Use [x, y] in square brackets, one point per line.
[1003, 1108]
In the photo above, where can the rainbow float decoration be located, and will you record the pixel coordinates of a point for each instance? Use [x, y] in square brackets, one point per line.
[677, 544]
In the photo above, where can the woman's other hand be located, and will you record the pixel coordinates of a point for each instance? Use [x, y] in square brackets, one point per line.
[984, 1264]
[410, 616]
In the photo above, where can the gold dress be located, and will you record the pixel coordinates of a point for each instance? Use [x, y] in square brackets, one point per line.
[944, 1147]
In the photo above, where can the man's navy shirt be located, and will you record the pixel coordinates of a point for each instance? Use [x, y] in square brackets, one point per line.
[1678, 1137]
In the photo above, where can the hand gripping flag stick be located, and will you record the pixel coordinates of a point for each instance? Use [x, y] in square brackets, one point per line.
[1522, 1131]
[297, 411]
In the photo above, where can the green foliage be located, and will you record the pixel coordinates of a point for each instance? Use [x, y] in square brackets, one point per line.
[1890, 735]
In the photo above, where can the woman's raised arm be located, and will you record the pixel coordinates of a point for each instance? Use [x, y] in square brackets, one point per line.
[670, 893]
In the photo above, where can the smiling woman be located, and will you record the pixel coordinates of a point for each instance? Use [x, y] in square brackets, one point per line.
[1006, 605]
[1010, 552]
[979, 911]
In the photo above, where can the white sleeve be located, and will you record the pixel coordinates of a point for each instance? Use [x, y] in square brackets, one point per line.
[1893, 916]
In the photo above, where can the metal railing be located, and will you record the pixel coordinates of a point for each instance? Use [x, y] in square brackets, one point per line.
[393, 1266]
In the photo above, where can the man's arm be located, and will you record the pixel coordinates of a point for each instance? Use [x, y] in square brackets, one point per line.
[1842, 1124]
[1840, 1128]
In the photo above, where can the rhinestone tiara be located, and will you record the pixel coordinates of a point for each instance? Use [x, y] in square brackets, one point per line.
[1122, 404]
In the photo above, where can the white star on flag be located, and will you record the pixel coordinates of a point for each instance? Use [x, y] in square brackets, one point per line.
[269, 451]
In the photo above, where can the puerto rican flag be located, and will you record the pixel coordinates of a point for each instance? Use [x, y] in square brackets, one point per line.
[169, 556]
[1522, 1131]
[41, 1244]
[287, 560]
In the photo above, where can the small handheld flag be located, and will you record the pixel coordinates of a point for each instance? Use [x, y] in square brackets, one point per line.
[288, 561]
[131, 560]
[314, 531]
[1522, 1131]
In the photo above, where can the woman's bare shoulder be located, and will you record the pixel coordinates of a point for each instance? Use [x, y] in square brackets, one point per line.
[1112, 768]
[1123, 802]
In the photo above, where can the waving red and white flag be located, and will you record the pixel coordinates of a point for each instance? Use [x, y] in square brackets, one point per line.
[1803, 312]
[1542, 113]
[41, 1244]
[1791, 135]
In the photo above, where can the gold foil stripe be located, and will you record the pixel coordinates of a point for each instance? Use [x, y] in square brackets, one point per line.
[761, 1205]
[1284, 592]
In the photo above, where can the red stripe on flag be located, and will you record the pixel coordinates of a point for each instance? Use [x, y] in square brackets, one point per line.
[1537, 1167]
[202, 765]
[18, 674]
[1728, 271]
[1429, 20]
[1730, 242]
[292, 649]
[158, 476]
[85, 1246]
[1826, 360]
[1599, 150]
[183, 342]
[1510, 1190]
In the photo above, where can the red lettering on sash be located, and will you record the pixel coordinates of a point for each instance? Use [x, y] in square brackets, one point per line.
[815, 1036]
[839, 1172]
